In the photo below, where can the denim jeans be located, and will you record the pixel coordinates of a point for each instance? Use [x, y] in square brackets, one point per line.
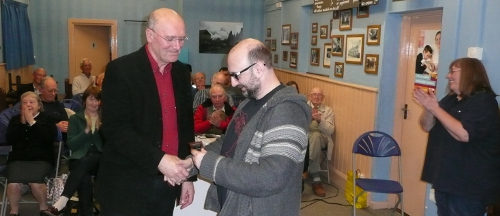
[453, 205]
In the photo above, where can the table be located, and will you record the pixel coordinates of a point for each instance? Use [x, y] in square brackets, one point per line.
[200, 193]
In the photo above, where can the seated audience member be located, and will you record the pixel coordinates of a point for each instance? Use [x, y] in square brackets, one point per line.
[198, 80]
[31, 134]
[235, 92]
[293, 84]
[81, 82]
[85, 142]
[213, 115]
[99, 80]
[38, 75]
[320, 136]
[202, 95]
[54, 109]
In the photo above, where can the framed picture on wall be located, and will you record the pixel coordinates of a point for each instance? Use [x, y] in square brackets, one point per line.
[327, 54]
[314, 40]
[338, 71]
[315, 28]
[268, 32]
[336, 14]
[268, 44]
[331, 27]
[345, 21]
[337, 45]
[293, 59]
[285, 55]
[315, 55]
[373, 35]
[275, 58]
[273, 45]
[363, 12]
[371, 63]
[323, 32]
[286, 30]
[354, 48]
[294, 40]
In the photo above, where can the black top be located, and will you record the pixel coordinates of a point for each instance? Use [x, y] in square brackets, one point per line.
[32, 143]
[466, 169]
[419, 67]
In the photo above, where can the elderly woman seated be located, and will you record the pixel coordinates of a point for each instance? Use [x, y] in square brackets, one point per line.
[31, 134]
[213, 115]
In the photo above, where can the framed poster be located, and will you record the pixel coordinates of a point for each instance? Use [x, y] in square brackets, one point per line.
[373, 35]
[275, 58]
[314, 40]
[371, 63]
[345, 21]
[327, 54]
[273, 45]
[323, 32]
[354, 49]
[315, 28]
[285, 55]
[294, 41]
[338, 71]
[285, 34]
[293, 59]
[363, 12]
[314, 60]
[268, 32]
[337, 45]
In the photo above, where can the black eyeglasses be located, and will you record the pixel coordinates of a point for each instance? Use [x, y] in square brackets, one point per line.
[170, 39]
[236, 74]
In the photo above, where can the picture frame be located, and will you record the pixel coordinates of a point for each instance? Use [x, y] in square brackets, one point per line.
[268, 32]
[363, 11]
[294, 40]
[338, 71]
[354, 48]
[345, 20]
[268, 44]
[275, 58]
[336, 14]
[331, 27]
[314, 28]
[373, 34]
[323, 32]
[285, 56]
[371, 63]
[314, 40]
[286, 30]
[273, 45]
[338, 45]
[315, 55]
[327, 54]
[293, 59]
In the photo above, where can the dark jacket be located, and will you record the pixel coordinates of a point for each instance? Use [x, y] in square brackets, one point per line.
[80, 142]
[129, 182]
[32, 143]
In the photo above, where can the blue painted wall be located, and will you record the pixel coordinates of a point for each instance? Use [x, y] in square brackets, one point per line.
[49, 21]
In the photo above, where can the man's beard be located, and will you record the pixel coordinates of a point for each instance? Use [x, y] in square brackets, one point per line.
[252, 89]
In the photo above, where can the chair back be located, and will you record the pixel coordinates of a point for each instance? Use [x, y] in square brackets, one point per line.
[5, 117]
[78, 97]
[376, 144]
[72, 104]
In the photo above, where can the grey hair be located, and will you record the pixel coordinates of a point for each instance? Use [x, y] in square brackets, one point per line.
[42, 83]
[33, 95]
[83, 60]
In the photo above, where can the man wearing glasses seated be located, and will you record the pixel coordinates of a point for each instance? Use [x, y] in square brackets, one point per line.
[213, 115]
[53, 108]
[320, 136]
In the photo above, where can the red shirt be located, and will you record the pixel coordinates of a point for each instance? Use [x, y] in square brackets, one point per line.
[170, 139]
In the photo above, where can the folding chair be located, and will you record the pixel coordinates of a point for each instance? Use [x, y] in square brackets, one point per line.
[72, 104]
[377, 144]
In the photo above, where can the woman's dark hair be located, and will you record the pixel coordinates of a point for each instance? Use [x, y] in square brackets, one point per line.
[473, 77]
[291, 82]
[91, 91]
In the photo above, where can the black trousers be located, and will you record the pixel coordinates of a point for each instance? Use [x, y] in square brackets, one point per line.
[80, 178]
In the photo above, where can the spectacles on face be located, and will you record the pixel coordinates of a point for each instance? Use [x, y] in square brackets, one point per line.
[236, 74]
[316, 95]
[170, 39]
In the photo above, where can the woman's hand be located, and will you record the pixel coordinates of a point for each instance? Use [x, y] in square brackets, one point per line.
[427, 100]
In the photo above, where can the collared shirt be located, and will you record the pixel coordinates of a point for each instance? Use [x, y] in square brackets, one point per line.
[170, 138]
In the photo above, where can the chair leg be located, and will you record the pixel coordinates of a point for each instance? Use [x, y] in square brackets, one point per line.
[397, 204]
[5, 202]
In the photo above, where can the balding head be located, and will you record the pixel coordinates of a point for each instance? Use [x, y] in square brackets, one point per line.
[38, 75]
[48, 89]
[199, 80]
[166, 34]
[218, 78]
[316, 96]
[218, 96]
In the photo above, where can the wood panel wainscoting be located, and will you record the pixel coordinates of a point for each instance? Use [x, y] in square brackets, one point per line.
[354, 107]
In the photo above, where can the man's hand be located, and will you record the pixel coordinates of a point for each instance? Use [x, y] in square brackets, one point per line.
[187, 194]
[317, 116]
[198, 156]
[172, 167]
[63, 126]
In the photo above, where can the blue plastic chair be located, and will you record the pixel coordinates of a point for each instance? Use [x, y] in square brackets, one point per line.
[78, 97]
[72, 104]
[378, 144]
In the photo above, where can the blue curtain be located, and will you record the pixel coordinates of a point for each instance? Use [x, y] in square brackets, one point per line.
[16, 32]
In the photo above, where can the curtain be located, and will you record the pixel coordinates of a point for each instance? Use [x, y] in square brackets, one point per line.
[16, 33]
